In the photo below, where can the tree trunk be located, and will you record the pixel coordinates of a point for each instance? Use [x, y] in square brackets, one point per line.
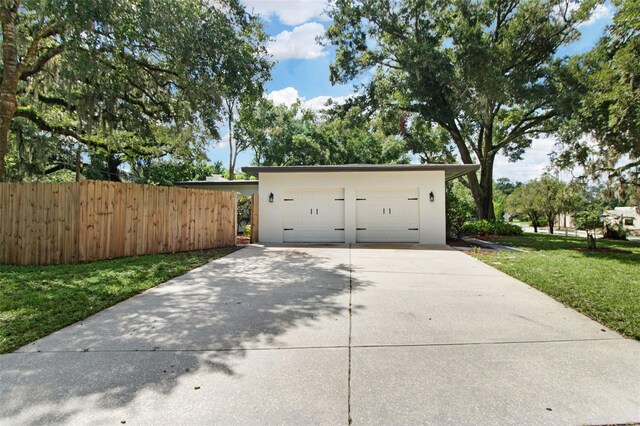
[10, 77]
[232, 174]
[550, 222]
[78, 163]
[534, 223]
[485, 208]
[113, 171]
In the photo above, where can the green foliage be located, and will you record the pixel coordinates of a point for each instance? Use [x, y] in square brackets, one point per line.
[244, 213]
[614, 231]
[545, 198]
[38, 300]
[490, 227]
[126, 80]
[247, 230]
[506, 186]
[601, 128]
[477, 77]
[459, 208]
[168, 172]
[282, 135]
[589, 220]
[523, 201]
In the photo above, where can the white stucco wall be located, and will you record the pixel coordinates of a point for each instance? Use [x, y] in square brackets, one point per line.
[432, 214]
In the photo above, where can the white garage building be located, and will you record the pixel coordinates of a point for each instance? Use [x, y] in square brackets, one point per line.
[354, 203]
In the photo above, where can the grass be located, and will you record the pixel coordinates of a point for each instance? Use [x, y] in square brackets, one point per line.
[38, 300]
[602, 285]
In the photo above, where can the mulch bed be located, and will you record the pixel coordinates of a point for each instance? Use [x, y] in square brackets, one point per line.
[241, 239]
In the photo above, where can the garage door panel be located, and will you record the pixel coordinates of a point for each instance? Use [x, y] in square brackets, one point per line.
[314, 215]
[388, 215]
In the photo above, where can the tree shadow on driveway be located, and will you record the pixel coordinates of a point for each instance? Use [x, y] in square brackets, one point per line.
[201, 323]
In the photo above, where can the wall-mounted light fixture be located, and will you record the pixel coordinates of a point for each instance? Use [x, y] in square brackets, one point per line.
[271, 197]
[431, 197]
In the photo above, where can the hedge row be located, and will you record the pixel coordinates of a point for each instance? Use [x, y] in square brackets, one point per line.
[486, 227]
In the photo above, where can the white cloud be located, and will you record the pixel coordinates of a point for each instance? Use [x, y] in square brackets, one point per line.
[290, 12]
[601, 11]
[286, 96]
[300, 43]
[320, 102]
[223, 143]
[289, 95]
[535, 161]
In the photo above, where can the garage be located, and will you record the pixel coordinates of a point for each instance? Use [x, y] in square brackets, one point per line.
[388, 215]
[354, 203]
[313, 215]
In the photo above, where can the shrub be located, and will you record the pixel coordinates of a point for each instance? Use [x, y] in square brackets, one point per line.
[614, 231]
[486, 227]
[247, 230]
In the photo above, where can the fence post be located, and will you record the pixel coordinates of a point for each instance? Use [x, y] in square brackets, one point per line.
[254, 218]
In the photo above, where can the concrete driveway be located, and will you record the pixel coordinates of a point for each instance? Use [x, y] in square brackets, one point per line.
[299, 335]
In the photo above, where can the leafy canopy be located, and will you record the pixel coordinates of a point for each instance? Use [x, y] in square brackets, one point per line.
[480, 75]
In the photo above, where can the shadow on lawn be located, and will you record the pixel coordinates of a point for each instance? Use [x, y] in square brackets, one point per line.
[201, 322]
[546, 242]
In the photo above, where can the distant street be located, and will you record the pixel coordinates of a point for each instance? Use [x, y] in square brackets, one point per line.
[568, 232]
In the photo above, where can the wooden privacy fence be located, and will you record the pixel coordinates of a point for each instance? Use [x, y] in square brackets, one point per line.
[49, 223]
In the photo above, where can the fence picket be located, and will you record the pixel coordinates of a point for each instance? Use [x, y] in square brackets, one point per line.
[51, 223]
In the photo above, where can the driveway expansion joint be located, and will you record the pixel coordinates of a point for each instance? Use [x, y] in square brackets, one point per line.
[349, 346]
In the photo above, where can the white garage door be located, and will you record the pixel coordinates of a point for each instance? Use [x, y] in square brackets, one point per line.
[388, 215]
[314, 215]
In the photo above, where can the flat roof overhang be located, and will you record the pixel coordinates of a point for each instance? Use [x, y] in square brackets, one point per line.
[451, 171]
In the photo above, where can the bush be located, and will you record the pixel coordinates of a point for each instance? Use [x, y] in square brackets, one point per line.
[486, 227]
[614, 231]
[247, 230]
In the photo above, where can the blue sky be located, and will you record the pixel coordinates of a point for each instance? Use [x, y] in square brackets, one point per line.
[302, 71]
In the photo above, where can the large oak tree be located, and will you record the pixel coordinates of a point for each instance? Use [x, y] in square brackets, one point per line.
[481, 72]
[120, 79]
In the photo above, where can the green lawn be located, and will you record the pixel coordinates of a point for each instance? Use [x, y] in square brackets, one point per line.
[603, 286]
[38, 300]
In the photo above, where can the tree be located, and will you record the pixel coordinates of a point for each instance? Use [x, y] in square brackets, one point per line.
[483, 71]
[114, 79]
[524, 201]
[281, 135]
[538, 199]
[601, 127]
[589, 220]
[168, 172]
[549, 193]
[506, 186]
[244, 73]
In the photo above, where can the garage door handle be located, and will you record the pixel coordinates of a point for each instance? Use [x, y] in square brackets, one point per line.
[361, 229]
[382, 211]
[389, 210]
[413, 229]
[316, 211]
[310, 211]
